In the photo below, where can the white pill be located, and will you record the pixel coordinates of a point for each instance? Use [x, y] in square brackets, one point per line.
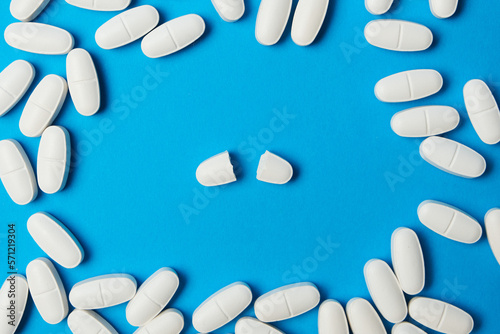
[54, 155]
[13, 297]
[103, 291]
[15, 80]
[425, 121]
[385, 290]
[307, 20]
[408, 260]
[274, 169]
[101, 5]
[406, 328]
[492, 224]
[449, 222]
[39, 38]
[170, 321]
[363, 318]
[173, 36]
[271, 20]
[16, 172]
[483, 111]
[440, 316]
[378, 7]
[55, 240]
[287, 302]
[127, 27]
[27, 10]
[398, 35]
[452, 157]
[153, 295]
[222, 307]
[229, 10]
[332, 318]
[216, 171]
[47, 290]
[248, 325]
[83, 82]
[443, 9]
[88, 322]
[408, 86]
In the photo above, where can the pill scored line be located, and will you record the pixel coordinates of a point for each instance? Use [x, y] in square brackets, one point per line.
[400, 37]
[450, 224]
[455, 157]
[222, 310]
[8, 93]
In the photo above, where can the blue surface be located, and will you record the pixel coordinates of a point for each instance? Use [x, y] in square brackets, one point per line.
[133, 200]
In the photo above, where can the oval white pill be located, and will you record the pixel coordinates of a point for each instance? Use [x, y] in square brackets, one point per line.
[440, 316]
[271, 20]
[47, 290]
[101, 5]
[363, 318]
[170, 321]
[173, 36]
[16, 172]
[17, 284]
[274, 169]
[153, 295]
[332, 318]
[88, 322]
[27, 10]
[408, 86]
[127, 27]
[55, 239]
[222, 307]
[406, 328]
[216, 171]
[452, 157]
[38, 38]
[483, 111]
[83, 82]
[15, 80]
[287, 302]
[492, 224]
[103, 291]
[229, 10]
[443, 9]
[248, 325]
[449, 222]
[307, 20]
[398, 35]
[378, 7]
[425, 121]
[408, 260]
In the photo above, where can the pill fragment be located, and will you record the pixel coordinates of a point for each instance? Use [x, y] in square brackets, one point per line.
[271, 20]
[378, 7]
[88, 322]
[452, 157]
[27, 10]
[15, 80]
[408, 260]
[16, 283]
[425, 121]
[443, 9]
[216, 171]
[229, 10]
[406, 328]
[274, 169]
[170, 321]
[332, 318]
[307, 20]
[47, 290]
[440, 316]
[16, 172]
[38, 38]
[287, 302]
[127, 27]
[173, 36]
[100, 5]
[363, 318]
[248, 325]
[398, 35]
[492, 223]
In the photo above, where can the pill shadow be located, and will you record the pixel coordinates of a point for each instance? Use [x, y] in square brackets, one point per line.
[182, 283]
[237, 166]
[459, 10]
[490, 164]
[428, 259]
[102, 84]
[29, 311]
[327, 23]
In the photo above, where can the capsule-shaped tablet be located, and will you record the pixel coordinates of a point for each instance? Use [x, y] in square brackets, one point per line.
[127, 27]
[222, 307]
[398, 35]
[15, 80]
[483, 111]
[16, 172]
[332, 318]
[173, 36]
[363, 318]
[83, 82]
[248, 325]
[449, 222]
[229, 10]
[103, 291]
[88, 322]
[408, 260]
[378, 7]
[452, 157]
[271, 20]
[440, 316]
[425, 121]
[153, 295]
[443, 9]
[274, 169]
[492, 224]
[43, 105]
[100, 5]
[170, 321]
[38, 38]
[47, 290]
[406, 328]
[287, 302]
[13, 297]
[216, 171]
[307, 20]
[408, 86]
[27, 10]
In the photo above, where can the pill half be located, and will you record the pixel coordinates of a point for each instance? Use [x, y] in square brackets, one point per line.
[83, 82]
[274, 169]
[492, 224]
[39, 38]
[248, 325]
[170, 321]
[408, 260]
[308, 20]
[363, 318]
[101, 5]
[425, 121]
[332, 318]
[406, 328]
[27, 10]
[88, 322]
[54, 155]
[443, 9]
[271, 20]
[397, 35]
[216, 171]
[229, 10]
[15, 80]
[378, 7]
[18, 284]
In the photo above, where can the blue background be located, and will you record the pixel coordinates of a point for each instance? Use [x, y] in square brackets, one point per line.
[133, 201]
